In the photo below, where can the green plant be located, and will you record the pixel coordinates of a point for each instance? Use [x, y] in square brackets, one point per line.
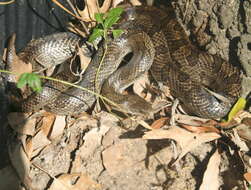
[103, 28]
[30, 79]
[105, 22]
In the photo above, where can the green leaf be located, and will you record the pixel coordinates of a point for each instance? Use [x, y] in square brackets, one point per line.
[97, 32]
[99, 17]
[116, 33]
[112, 17]
[239, 105]
[31, 79]
[115, 12]
[22, 81]
[110, 21]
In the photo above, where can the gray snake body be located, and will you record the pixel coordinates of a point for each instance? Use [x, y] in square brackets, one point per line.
[159, 44]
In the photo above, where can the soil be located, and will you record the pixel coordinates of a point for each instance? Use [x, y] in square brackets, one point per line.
[114, 154]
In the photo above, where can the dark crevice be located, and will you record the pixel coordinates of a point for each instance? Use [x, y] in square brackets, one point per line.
[242, 16]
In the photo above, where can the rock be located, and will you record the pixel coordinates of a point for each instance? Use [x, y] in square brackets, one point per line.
[124, 155]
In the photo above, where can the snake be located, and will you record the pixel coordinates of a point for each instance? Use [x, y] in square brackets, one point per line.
[159, 46]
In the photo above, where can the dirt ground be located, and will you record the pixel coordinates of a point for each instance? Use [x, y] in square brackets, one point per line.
[103, 151]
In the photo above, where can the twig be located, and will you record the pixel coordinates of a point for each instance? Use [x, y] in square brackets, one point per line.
[7, 3]
[76, 13]
[66, 10]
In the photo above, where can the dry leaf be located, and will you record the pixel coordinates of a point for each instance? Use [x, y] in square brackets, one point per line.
[84, 60]
[40, 140]
[47, 123]
[237, 140]
[74, 182]
[116, 2]
[184, 138]
[159, 123]
[92, 140]
[58, 127]
[21, 124]
[211, 175]
[189, 120]
[19, 160]
[201, 129]
[91, 8]
[140, 85]
[247, 176]
[135, 2]
[15, 64]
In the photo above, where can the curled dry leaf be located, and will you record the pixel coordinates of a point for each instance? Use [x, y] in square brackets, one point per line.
[74, 182]
[211, 175]
[184, 138]
[21, 124]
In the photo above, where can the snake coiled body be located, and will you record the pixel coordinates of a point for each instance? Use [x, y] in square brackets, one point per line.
[159, 44]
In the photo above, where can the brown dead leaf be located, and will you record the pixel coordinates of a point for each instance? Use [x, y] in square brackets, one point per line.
[211, 175]
[58, 127]
[247, 176]
[40, 140]
[184, 138]
[21, 124]
[201, 129]
[159, 123]
[74, 182]
[47, 123]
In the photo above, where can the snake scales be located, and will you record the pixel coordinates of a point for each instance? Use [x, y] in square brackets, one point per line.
[159, 44]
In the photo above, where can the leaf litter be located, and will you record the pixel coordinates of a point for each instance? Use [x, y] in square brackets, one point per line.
[91, 143]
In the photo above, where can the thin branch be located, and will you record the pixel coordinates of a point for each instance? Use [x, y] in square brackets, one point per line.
[7, 3]
[76, 13]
